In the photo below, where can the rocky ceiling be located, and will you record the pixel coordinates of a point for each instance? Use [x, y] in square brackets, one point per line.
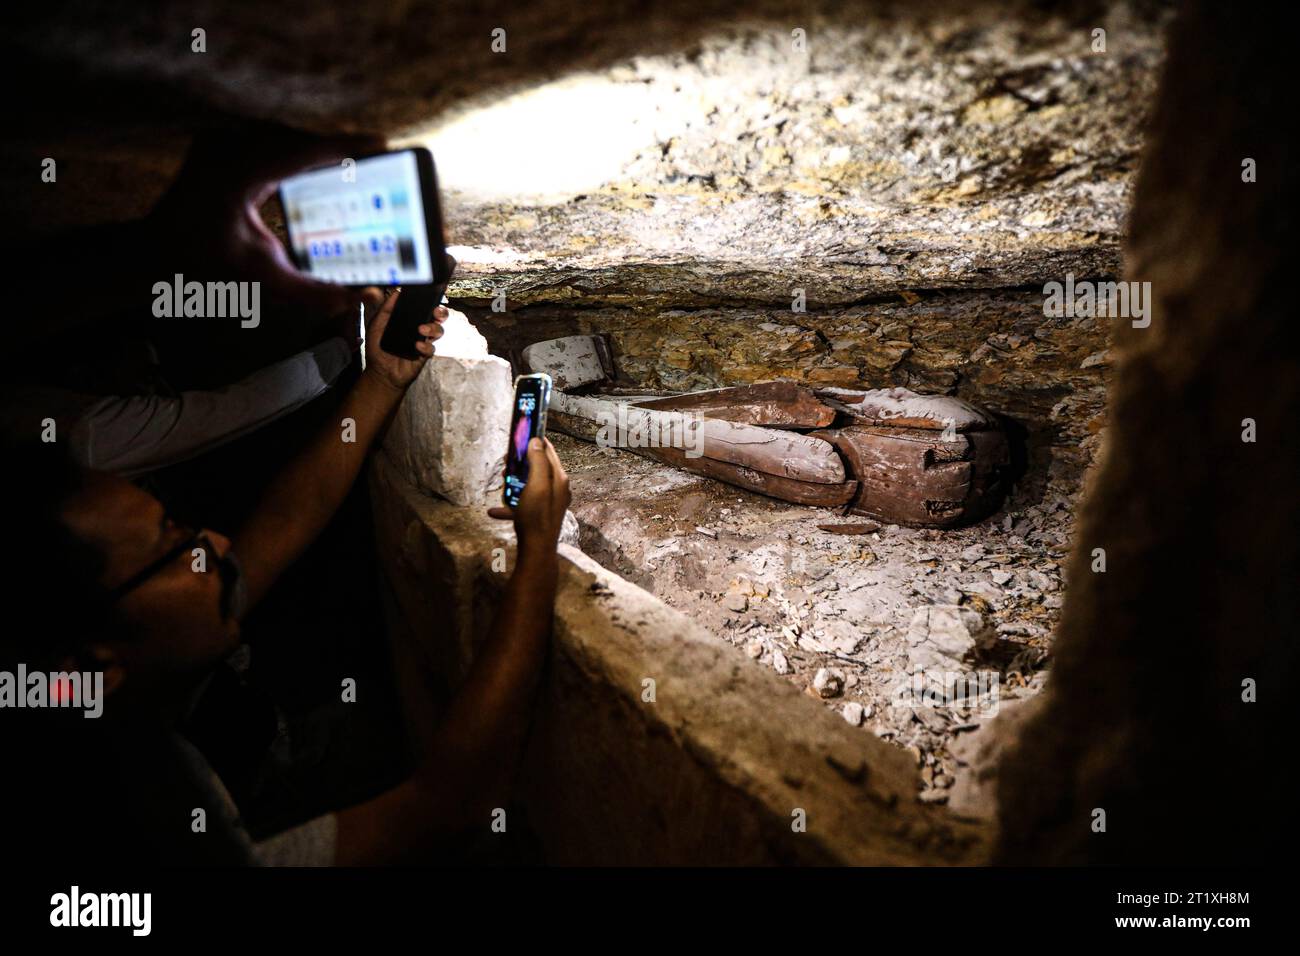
[674, 174]
[910, 146]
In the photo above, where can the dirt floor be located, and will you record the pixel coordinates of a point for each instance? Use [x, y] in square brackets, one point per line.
[838, 614]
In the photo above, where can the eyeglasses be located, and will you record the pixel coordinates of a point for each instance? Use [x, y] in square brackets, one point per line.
[193, 540]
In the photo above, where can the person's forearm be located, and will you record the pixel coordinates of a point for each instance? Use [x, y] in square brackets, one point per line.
[479, 739]
[305, 495]
[467, 771]
[131, 435]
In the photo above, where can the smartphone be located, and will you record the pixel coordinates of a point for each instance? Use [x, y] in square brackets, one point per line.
[528, 421]
[376, 220]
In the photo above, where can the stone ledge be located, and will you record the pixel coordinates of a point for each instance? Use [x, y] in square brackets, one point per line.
[685, 282]
[710, 773]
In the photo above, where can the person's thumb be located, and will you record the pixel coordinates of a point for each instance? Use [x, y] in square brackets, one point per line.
[539, 467]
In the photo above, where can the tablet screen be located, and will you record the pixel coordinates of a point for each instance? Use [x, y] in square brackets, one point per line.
[360, 225]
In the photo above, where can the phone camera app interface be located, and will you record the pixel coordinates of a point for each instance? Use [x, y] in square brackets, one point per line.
[362, 224]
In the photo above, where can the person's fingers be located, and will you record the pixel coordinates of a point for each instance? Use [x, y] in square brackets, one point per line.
[432, 330]
[376, 324]
[282, 153]
[441, 313]
[424, 348]
[321, 298]
[221, 165]
[506, 514]
[285, 284]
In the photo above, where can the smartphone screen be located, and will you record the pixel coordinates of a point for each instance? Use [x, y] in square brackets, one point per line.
[532, 393]
[362, 224]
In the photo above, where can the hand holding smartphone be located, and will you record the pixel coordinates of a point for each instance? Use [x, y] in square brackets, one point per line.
[528, 421]
[375, 221]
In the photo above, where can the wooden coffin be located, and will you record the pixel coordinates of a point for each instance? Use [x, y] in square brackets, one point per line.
[770, 404]
[821, 494]
[782, 453]
[923, 477]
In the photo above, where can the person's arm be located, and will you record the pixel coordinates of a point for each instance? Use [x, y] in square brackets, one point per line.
[132, 435]
[468, 769]
[305, 495]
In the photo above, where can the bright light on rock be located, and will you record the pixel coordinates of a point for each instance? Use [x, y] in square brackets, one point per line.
[552, 142]
[460, 339]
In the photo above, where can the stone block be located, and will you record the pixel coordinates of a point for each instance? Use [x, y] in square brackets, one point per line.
[450, 434]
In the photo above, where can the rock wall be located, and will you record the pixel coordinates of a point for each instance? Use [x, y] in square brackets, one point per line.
[1164, 711]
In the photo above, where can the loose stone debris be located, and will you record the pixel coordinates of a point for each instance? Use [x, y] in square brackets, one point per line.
[847, 618]
[828, 683]
[943, 636]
